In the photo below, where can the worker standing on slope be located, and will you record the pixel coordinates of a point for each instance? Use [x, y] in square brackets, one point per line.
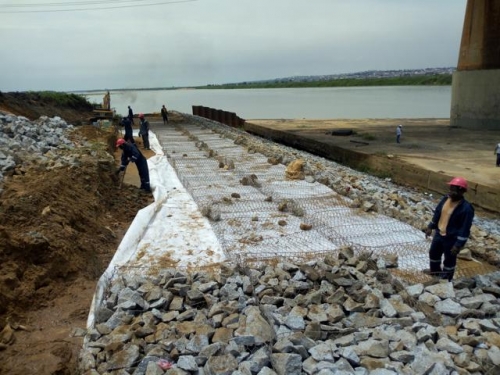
[144, 131]
[130, 153]
[131, 115]
[452, 221]
[497, 152]
[399, 132]
[129, 133]
[164, 114]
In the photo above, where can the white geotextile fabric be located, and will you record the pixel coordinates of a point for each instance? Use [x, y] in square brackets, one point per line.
[171, 230]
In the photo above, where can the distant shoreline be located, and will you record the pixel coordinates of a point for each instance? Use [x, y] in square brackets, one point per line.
[420, 80]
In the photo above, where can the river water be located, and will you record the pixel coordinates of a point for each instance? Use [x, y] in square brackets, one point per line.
[309, 103]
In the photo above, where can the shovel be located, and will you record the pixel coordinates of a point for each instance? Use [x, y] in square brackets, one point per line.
[122, 176]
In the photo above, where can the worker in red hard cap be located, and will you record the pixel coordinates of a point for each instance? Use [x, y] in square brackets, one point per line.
[451, 222]
[130, 153]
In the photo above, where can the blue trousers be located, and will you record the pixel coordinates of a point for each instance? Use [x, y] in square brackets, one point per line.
[145, 140]
[142, 168]
[129, 136]
[442, 246]
[498, 160]
[398, 138]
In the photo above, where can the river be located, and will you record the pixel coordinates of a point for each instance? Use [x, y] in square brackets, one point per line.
[310, 103]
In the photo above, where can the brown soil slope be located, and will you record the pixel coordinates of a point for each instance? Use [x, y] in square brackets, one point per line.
[59, 228]
[33, 105]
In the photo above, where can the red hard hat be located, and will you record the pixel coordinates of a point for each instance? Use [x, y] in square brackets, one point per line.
[119, 142]
[141, 115]
[459, 181]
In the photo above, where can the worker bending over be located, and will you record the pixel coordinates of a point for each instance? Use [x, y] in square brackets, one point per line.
[130, 153]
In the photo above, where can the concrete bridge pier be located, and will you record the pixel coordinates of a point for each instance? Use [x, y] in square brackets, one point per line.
[475, 99]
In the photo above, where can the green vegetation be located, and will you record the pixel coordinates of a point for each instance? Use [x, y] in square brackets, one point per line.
[364, 168]
[60, 98]
[424, 80]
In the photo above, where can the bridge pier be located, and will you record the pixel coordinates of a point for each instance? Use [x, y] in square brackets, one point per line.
[475, 99]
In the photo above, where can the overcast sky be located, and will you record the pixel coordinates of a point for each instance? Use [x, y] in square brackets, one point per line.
[184, 43]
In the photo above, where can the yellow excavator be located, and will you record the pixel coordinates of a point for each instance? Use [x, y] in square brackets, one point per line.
[103, 111]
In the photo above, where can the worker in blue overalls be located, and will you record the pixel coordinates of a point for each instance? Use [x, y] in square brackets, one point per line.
[129, 132]
[451, 222]
[130, 153]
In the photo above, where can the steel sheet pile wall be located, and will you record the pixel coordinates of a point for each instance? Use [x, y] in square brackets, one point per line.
[258, 214]
[219, 115]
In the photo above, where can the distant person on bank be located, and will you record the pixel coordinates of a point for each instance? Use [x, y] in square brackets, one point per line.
[497, 152]
[129, 133]
[164, 114]
[130, 153]
[399, 132]
[131, 115]
[144, 131]
[451, 222]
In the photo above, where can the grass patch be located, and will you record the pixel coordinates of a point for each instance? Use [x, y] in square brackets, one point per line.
[364, 168]
[382, 174]
[60, 98]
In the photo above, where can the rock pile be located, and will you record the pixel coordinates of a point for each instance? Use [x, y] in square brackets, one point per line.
[342, 315]
[22, 140]
[338, 315]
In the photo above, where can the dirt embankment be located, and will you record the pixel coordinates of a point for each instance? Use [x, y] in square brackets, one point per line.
[59, 228]
[72, 108]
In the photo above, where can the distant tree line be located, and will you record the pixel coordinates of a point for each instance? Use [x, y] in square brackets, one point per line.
[417, 80]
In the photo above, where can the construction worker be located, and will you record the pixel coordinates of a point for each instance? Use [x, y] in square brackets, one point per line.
[131, 115]
[130, 153]
[129, 133]
[452, 221]
[399, 132]
[144, 131]
[164, 114]
[497, 152]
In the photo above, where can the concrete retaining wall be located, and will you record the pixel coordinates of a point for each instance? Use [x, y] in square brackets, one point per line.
[487, 197]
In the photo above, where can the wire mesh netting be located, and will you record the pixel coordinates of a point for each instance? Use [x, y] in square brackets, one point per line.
[258, 214]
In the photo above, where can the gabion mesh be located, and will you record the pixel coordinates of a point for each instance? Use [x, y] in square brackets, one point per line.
[266, 216]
